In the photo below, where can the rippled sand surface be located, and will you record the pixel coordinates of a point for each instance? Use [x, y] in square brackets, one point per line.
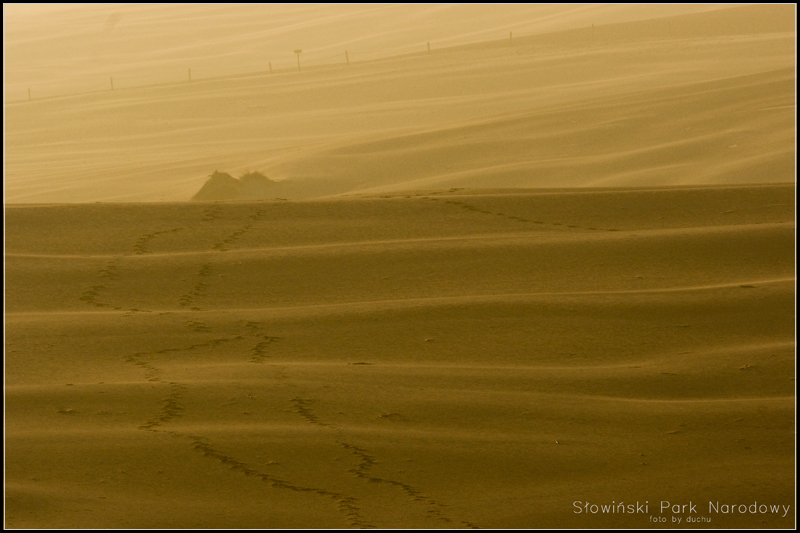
[500, 285]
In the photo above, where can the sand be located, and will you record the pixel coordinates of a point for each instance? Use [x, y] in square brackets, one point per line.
[632, 107]
[497, 289]
[434, 359]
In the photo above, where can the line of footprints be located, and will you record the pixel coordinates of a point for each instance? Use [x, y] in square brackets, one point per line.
[173, 406]
[473, 208]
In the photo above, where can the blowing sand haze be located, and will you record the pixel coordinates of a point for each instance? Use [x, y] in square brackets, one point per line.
[540, 276]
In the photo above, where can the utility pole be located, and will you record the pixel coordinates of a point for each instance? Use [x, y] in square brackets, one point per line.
[298, 52]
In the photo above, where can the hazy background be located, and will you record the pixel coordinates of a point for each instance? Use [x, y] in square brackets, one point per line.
[563, 103]
[61, 49]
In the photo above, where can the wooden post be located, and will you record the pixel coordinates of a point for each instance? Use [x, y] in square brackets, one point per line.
[190, 74]
[29, 94]
[347, 58]
[112, 82]
[270, 67]
[429, 47]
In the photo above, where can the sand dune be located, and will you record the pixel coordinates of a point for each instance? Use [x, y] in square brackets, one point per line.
[432, 359]
[710, 106]
[738, 130]
[156, 44]
[491, 285]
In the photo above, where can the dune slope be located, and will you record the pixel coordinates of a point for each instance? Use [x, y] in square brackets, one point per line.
[440, 358]
[738, 130]
[699, 99]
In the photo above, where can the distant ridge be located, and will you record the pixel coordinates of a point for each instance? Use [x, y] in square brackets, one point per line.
[737, 20]
[726, 131]
[222, 186]
[546, 110]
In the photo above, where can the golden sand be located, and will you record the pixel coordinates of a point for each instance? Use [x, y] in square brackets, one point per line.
[541, 284]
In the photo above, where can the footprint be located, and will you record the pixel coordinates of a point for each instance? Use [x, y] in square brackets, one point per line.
[259, 351]
[222, 246]
[140, 247]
